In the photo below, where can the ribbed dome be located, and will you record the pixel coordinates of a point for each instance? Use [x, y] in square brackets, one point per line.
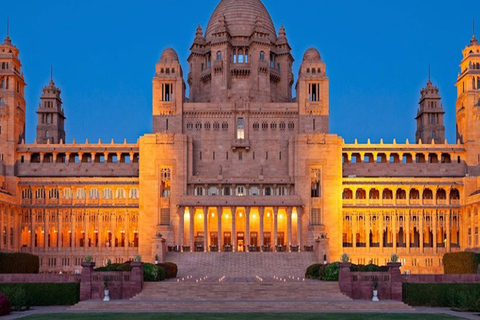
[241, 17]
[312, 54]
[168, 56]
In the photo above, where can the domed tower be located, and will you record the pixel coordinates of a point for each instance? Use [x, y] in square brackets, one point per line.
[468, 102]
[312, 93]
[12, 107]
[51, 118]
[240, 57]
[430, 116]
[168, 93]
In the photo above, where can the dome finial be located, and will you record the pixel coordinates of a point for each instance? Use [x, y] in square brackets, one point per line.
[282, 31]
[199, 32]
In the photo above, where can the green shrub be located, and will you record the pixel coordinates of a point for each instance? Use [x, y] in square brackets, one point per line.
[460, 296]
[331, 272]
[150, 272]
[19, 263]
[115, 267]
[460, 263]
[5, 306]
[312, 271]
[170, 268]
[161, 273]
[321, 271]
[24, 295]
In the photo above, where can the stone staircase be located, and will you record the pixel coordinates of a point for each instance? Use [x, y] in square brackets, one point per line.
[240, 282]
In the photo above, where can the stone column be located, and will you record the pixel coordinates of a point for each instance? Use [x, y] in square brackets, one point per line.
[299, 228]
[86, 281]
[289, 226]
[192, 218]
[60, 224]
[261, 211]
[354, 230]
[2, 212]
[32, 232]
[219, 228]
[381, 228]
[449, 237]
[394, 231]
[234, 235]
[87, 231]
[247, 226]
[421, 230]
[45, 231]
[435, 217]
[181, 226]
[275, 226]
[205, 229]
[408, 216]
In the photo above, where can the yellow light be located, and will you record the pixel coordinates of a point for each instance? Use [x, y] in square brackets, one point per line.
[280, 216]
[240, 214]
[268, 215]
[213, 215]
[226, 215]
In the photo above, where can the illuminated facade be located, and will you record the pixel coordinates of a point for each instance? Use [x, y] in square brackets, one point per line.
[239, 165]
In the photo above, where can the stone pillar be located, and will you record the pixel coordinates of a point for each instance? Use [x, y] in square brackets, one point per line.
[159, 249]
[394, 231]
[32, 232]
[205, 229]
[86, 281]
[354, 227]
[192, 218]
[136, 279]
[234, 234]
[261, 211]
[421, 230]
[395, 280]
[345, 278]
[45, 231]
[407, 238]
[181, 226]
[219, 228]
[2, 212]
[275, 226]
[289, 227]
[449, 237]
[299, 228]
[435, 217]
[382, 229]
[247, 226]
[60, 228]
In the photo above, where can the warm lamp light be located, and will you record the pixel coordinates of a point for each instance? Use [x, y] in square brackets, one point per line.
[240, 214]
[213, 214]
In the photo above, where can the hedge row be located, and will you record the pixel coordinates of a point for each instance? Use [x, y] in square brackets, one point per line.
[115, 267]
[326, 272]
[460, 263]
[459, 296]
[368, 268]
[19, 263]
[171, 269]
[23, 295]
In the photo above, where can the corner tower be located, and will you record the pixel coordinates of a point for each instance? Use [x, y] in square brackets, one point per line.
[51, 118]
[168, 93]
[12, 107]
[430, 116]
[468, 102]
[312, 93]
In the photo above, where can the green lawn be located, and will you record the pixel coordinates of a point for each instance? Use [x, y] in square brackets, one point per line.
[255, 316]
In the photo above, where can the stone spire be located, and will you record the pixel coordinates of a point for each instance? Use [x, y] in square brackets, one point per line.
[473, 41]
[7, 40]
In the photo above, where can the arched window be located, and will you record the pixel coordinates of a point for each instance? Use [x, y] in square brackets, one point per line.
[216, 126]
[374, 194]
[134, 193]
[441, 194]
[256, 126]
[254, 191]
[454, 194]
[267, 191]
[107, 193]
[93, 193]
[387, 194]
[262, 56]
[347, 194]
[198, 191]
[219, 56]
[120, 193]
[361, 194]
[414, 194]
[401, 194]
[427, 194]
[53, 194]
[225, 126]
[67, 193]
[27, 194]
[80, 193]
[40, 194]
[282, 126]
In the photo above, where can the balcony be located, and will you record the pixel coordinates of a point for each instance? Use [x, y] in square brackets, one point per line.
[241, 144]
[348, 202]
[415, 202]
[428, 202]
[388, 202]
[401, 202]
[441, 202]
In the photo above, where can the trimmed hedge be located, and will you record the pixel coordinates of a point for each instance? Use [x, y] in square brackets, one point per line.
[326, 272]
[459, 296]
[460, 263]
[368, 268]
[170, 268]
[41, 294]
[115, 267]
[5, 307]
[19, 263]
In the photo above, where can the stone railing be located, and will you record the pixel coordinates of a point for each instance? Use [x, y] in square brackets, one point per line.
[39, 278]
[359, 285]
[122, 285]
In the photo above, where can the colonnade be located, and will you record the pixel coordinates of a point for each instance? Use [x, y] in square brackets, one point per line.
[240, 228]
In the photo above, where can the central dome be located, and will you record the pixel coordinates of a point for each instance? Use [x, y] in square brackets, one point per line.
[241, 17]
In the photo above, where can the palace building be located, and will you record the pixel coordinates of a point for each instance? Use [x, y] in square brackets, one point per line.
[241, 164]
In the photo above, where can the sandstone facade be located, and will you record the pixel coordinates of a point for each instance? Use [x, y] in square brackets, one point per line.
[239, 165]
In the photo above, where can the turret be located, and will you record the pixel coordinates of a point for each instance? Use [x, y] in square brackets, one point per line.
[51, 117]
[312, 93]
[168, 93]
[430, 116]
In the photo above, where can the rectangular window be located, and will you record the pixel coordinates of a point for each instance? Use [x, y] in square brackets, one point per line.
[226, 156]
[280, 155]
[316, 217]
[165, 216]
[314, 92]
[167, 92]
[240, 129]
[253, 155]
[266, 155]
[240, 156]
[213, 155]
[200, 155]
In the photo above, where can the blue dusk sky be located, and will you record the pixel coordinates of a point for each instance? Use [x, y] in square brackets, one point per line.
[104, 53]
